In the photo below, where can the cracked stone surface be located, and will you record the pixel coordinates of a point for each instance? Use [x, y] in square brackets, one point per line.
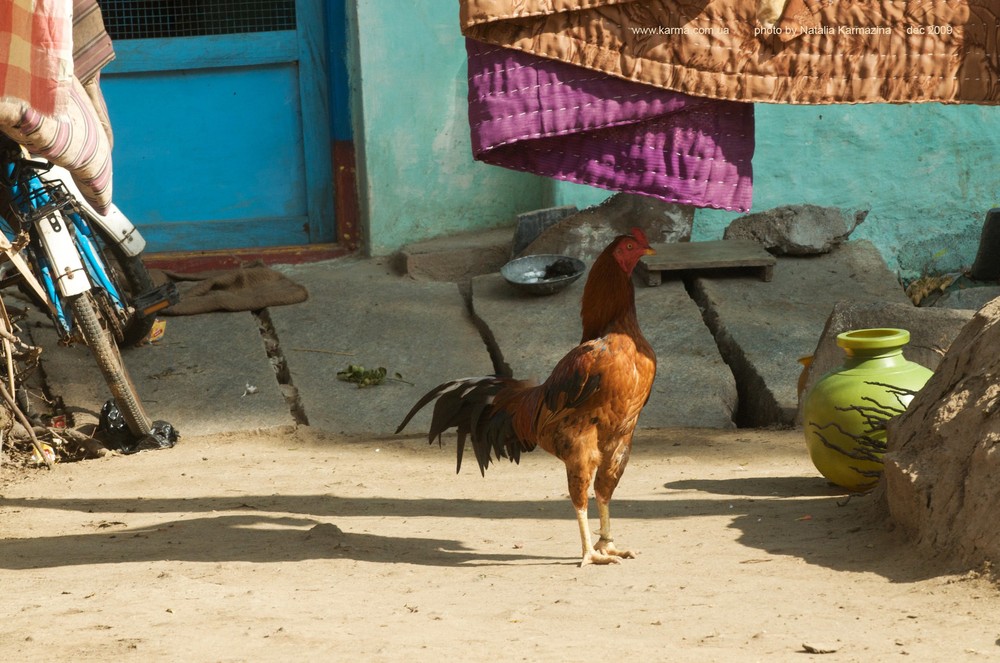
[359, 312]
[764, 327]
[194, 378]
[693, 387]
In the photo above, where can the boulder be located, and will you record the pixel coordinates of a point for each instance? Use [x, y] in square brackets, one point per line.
[942, 463]
[531, 224]
[987, 264]
[585, 234]
[968, 298]
[795, 230]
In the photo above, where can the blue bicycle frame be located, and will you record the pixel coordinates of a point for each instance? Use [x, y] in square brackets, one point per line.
[36, 198]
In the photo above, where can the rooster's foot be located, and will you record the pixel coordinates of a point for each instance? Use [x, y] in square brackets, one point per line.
[607, 547]
[595, 557]
[604, 552]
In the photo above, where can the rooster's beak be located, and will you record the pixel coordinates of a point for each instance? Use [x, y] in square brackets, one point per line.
[650, 251]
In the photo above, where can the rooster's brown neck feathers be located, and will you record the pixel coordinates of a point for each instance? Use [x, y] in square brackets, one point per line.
[608, 299]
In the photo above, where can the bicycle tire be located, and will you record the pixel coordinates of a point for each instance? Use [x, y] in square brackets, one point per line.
[109, 360]
[130, 276]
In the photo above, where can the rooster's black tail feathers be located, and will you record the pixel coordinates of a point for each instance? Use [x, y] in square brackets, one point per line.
[466, 405]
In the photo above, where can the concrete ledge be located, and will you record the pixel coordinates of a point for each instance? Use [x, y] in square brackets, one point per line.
[194, 378]
[457, 257]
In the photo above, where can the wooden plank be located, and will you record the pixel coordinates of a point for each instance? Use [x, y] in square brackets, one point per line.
[719, 254]
[700, 255]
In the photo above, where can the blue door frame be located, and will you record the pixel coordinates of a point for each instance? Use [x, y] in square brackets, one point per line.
[224, 141]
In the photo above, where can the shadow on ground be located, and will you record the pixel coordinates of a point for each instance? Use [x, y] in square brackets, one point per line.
[790, 516]
[809, 518]
[254, 538]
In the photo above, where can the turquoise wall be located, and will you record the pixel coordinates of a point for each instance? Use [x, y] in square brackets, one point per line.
[416, 174]
[927, 172]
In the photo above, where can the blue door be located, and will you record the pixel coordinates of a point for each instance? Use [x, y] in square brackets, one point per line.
[220, 112]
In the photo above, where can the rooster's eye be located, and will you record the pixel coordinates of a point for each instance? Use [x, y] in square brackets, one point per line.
[629, 246]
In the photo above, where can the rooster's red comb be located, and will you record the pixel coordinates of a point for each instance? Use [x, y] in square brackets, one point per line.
[640, 236]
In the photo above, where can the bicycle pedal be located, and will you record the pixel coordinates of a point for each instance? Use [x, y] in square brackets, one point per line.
[157, 299]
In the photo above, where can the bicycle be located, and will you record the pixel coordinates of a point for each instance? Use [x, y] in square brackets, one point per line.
[83, 268]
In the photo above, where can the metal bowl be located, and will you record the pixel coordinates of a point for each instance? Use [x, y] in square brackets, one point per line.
[528, 274]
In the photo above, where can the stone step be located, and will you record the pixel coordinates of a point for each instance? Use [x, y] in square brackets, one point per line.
[458, 257]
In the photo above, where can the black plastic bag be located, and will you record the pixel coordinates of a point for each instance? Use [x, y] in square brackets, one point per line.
[117, 435]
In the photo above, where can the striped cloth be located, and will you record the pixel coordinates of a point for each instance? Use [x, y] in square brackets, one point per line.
[77, 135]
[75, 140]
[92, 47]
[36, 53]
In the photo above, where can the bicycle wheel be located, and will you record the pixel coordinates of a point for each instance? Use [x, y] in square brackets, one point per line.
[109, 360]
[131, 278]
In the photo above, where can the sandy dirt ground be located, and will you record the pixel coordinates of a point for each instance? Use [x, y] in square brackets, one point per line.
[292, 545]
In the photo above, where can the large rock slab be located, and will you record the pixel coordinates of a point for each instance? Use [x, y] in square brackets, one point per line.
[585, 234]
[794, 229]
[763, 328]
[941, 467]
[693, 386]
[196, 377]
[360, 312]
[986, 266]
[931, 332]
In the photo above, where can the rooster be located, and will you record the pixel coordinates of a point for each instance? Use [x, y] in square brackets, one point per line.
[584, 413]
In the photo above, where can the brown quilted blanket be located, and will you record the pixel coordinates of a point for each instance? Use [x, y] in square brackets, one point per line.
[784, 51]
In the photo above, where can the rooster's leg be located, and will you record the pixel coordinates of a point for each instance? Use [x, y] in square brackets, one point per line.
[606, 544]
[579, 487]
[592, 555]
[579, 452]
[606, 480]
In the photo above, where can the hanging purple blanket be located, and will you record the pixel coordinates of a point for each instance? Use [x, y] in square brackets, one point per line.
[569, 123]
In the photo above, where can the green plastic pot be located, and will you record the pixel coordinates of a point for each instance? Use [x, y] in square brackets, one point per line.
[845, 413]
